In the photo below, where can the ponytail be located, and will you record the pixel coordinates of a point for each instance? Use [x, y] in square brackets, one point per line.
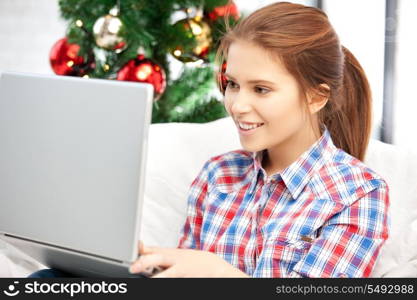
[348, 116]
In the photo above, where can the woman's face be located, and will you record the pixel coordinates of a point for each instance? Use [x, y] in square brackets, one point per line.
[260, 90]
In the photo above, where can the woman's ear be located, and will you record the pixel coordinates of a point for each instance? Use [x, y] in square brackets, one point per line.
[318, 98]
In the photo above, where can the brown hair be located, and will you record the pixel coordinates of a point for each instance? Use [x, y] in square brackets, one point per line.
[309, 48]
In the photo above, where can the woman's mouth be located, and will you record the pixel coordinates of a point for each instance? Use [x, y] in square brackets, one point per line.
[248, 128]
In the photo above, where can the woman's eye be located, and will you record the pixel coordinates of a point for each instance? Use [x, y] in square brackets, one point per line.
[230, 84]
[261, 90]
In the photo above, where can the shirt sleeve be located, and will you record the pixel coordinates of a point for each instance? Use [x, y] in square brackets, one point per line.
[190, 234]
[350, 241]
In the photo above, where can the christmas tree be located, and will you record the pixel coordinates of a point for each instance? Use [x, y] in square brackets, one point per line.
[134, 40]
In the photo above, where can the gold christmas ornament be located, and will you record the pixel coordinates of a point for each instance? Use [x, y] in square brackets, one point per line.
[199, 30]
[79, 23]
[108, 33]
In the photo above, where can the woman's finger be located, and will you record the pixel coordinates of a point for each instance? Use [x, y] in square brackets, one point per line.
[168, 273]
[147, 262]
[142, 249]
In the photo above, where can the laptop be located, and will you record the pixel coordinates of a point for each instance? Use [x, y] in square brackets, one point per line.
[72, 170]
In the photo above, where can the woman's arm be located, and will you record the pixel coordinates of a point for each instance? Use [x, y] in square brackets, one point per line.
[184, 263]
[189, 261]
[190, 235]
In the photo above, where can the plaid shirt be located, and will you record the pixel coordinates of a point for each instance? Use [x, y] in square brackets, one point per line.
[325, 215]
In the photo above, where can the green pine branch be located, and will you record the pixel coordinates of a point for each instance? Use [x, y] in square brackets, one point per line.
[191, 97]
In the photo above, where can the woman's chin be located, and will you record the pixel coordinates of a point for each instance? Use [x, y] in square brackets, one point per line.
[251, 148]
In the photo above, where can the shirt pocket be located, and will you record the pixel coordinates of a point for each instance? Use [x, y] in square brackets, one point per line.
[285, 253]
[229, 186]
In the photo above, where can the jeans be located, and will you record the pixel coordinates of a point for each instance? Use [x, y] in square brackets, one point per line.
[50, 273]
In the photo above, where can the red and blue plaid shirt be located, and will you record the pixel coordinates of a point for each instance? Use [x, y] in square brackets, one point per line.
[325, 215]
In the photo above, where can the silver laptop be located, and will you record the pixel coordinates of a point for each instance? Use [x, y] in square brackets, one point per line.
[72, 170]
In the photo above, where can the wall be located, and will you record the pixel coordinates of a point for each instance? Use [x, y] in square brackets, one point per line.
[28, 29]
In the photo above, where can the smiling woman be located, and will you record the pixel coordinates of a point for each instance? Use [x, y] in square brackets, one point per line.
[297, 201]
[276, 103]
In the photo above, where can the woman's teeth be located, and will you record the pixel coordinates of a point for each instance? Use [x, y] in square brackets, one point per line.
[249, 127]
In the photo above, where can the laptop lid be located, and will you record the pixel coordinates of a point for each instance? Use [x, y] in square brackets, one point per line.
[72, 161]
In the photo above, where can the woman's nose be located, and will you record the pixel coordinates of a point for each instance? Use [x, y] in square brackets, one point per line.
[240, 104]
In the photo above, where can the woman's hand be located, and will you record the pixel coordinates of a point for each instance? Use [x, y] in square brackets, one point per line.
[183, 263]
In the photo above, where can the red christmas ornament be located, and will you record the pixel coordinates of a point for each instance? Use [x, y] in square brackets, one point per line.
[221, 78]
[142, 69]
[64, 59]
[221, 11]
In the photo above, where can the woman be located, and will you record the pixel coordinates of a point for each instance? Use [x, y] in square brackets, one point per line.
[297, 201]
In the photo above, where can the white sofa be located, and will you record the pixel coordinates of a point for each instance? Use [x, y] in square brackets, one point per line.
[176, 153]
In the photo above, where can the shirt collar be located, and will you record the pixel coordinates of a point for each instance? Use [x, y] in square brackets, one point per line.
[299, 173]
